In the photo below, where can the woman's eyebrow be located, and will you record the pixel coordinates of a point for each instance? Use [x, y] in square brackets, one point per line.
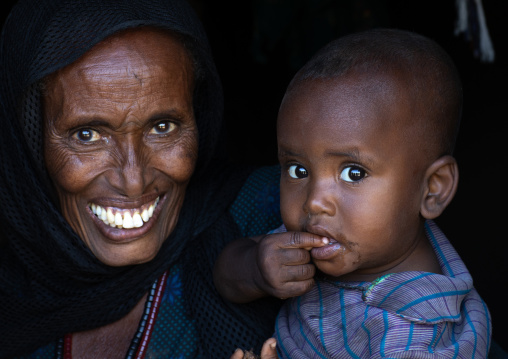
[92, 121]
[166, 114]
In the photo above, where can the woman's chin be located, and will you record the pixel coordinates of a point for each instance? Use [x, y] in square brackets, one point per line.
[120, 257]
[123, 253]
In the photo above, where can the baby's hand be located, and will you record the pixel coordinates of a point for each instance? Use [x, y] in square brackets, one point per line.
[271, 265]
[283, 261]
[267, 352]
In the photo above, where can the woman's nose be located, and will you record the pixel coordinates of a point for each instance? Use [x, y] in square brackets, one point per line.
[321, 198]
[132, 168]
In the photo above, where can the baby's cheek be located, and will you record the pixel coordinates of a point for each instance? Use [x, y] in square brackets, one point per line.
[291, 210]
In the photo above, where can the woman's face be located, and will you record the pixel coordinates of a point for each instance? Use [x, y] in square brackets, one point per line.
[121, 142]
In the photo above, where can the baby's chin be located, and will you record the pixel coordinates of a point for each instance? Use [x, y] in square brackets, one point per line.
[338, 264]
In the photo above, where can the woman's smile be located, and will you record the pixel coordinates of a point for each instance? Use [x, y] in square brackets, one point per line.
[123, 224]
[126, 218]
[121, 144]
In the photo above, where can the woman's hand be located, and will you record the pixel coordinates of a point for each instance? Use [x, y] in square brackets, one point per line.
[276, 265]
[268, 351]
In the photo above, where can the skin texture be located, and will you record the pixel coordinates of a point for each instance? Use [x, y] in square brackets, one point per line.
[358, 181]
[350, 174]
[120, 132]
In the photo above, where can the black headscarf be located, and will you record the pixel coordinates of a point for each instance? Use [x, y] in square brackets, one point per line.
[50, 282]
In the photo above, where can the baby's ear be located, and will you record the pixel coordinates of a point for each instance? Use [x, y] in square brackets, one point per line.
[441, 180]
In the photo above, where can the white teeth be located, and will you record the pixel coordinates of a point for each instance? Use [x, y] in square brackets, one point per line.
[137, 221]
[127, 219]
[118, 219]
[110, 216]
[144, 215]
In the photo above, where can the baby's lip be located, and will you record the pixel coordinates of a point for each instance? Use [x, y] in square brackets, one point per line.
[320, 231]
[328, 251]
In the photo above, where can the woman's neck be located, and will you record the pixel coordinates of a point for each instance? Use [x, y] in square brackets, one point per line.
[111, 341]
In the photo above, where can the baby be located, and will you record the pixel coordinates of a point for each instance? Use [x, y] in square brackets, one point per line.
[366, 132]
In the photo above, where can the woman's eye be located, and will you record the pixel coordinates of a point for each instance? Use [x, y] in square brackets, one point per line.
[163, 127]
[297, 171]
[352, 174]
[87, 135]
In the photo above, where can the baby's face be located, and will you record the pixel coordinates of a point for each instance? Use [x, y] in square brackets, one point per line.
[349, 173]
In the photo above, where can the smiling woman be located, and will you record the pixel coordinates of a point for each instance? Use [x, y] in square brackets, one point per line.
[112, 119]
[117, 196]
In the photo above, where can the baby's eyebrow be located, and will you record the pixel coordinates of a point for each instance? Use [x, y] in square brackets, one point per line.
[353, 155]
[287, 153]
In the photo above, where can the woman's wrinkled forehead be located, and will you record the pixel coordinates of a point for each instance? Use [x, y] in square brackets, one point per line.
[140, 42]
[131, 57]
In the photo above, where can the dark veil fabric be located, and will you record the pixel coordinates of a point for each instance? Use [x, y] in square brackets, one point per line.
[50, 283]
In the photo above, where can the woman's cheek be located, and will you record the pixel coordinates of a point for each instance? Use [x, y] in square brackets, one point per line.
[71, 172]
[179, 161]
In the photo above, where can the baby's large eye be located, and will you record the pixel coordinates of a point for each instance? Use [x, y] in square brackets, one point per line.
[163, 127]
[297, 171]
[352, 174]
[86, 135]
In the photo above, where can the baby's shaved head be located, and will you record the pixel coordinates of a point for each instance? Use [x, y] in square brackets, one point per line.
[415, 62]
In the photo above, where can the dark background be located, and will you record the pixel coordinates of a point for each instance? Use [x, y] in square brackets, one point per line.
[259, 44]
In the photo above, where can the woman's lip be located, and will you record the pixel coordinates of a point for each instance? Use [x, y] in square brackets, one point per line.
[125, 203]
[122, 234]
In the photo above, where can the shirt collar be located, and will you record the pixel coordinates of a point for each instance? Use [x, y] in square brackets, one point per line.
[422, 296]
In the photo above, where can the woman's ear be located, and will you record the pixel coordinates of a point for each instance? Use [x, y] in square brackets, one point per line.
[441, 180]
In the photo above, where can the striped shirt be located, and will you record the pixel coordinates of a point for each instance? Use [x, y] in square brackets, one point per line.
[400, 315]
